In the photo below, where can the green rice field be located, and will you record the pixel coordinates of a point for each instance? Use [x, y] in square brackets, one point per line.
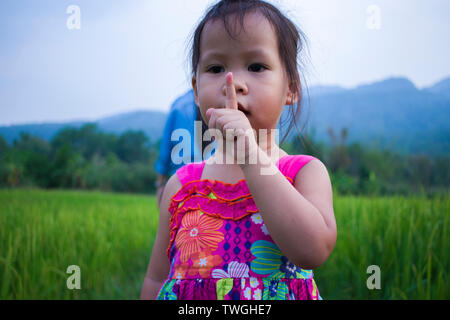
[110, 237]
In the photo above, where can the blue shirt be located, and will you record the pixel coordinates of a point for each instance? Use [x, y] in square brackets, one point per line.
[182, 115]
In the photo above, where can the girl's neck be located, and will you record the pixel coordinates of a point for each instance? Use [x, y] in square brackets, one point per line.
[216, 167]
[271, 149]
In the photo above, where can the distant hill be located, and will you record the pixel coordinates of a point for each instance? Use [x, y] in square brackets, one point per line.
[442, 87]
[391, 113]
[150, 122]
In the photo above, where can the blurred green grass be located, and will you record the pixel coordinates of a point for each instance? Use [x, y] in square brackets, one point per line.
[110, 237]
[405, 236]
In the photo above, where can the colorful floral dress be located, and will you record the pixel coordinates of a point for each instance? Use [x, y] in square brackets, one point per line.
[220, 247]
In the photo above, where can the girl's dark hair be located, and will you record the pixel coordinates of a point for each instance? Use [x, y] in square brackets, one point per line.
[291, 41]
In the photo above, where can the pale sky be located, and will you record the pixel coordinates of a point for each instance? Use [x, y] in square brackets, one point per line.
[131, 55]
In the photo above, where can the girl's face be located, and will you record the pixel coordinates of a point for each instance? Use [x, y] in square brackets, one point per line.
[262, 88]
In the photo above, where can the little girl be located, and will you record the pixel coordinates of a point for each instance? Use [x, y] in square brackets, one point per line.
[227, 231]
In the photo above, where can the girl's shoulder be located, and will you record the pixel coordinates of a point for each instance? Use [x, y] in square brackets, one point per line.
[312, 180]
[185, 174]
[173, 185]
[291, 165]
[190, 172]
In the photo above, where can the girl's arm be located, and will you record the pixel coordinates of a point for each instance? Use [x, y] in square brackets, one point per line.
[158, 268]
[300, 218]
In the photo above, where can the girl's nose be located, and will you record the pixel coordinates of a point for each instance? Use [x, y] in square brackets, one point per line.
[239, 85]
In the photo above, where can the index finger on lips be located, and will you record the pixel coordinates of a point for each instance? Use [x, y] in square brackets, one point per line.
[231, 100]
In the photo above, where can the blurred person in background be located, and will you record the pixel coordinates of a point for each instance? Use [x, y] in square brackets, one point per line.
[182, 115]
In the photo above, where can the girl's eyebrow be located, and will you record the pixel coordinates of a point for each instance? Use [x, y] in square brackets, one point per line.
[211, 54]
[259, 53]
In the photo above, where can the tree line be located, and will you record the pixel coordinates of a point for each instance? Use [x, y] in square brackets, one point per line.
[87, 158]
[83, 158]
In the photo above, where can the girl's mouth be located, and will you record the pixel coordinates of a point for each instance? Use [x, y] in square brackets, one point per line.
[241, 108]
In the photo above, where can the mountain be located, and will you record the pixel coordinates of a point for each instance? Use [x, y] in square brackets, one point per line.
[44, 131]
[150, 122]
[391, 85]
[392, 113]
[442, 87]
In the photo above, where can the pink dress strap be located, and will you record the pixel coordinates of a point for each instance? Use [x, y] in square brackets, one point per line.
[290, 165]
[190, 172]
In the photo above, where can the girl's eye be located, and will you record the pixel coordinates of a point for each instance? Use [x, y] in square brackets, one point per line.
[216, 69]
[256, 67]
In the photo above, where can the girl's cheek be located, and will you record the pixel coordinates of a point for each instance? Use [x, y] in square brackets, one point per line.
[206, 97]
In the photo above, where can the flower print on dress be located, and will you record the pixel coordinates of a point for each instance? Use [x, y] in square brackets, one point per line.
[198, 232]
[257, 294]
[256, 218]
[254, 283]
[235, 270]
[180, 270]
[270, 261]
[166, 292]
[202, 264]
[264, 229]
[251, 288]
[289, 268]
[274, 289]
[178, 275]
[248, 293]
[223, 288]
[199, 284]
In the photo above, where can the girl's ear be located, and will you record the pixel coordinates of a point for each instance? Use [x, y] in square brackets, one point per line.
[194, 87]
[291, 97]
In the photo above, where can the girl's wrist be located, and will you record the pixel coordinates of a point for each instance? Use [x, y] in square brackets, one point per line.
[256, 157]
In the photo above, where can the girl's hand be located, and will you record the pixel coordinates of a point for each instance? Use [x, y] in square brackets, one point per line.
[235, 129]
